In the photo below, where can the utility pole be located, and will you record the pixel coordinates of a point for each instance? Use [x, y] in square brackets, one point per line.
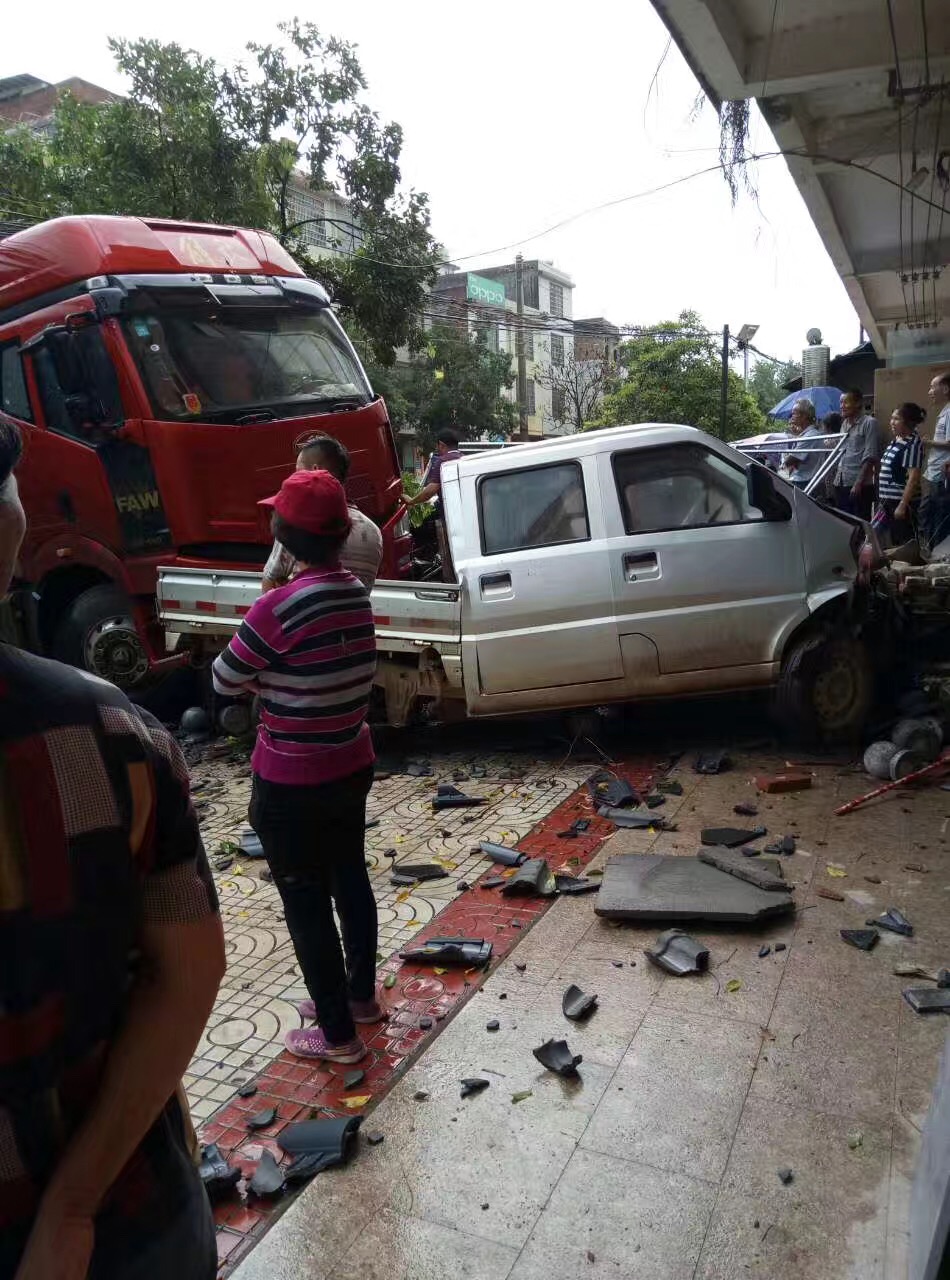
[724, 400]
[519, 350]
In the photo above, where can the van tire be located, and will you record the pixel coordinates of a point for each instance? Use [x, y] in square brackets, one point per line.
[97, 634]
[826, 689]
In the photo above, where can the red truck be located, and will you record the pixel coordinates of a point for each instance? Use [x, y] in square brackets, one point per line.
[162, 373]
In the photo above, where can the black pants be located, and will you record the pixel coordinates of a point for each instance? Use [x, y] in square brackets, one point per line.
[313, 839]
[934, 516]
[859, 506]
[900, 531]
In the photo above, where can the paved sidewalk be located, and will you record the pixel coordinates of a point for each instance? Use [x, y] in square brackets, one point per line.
[661, 1162]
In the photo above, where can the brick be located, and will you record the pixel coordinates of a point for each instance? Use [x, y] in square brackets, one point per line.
[777, 783]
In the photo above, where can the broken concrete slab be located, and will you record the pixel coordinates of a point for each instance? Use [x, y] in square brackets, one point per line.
[678, 953]
[765, 873]
[731, 837]
[420, 870]
[654, 887]
[928, 999]
[635, 821]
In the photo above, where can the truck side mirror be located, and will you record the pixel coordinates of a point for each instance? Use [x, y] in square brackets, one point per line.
[764, 496]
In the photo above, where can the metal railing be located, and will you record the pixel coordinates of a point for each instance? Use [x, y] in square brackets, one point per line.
[828, 447]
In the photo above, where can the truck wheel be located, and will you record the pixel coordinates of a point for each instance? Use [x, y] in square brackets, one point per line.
[826, 688]
[98, 635]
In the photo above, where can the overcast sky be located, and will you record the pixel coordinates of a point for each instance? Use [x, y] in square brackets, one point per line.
[518, 115]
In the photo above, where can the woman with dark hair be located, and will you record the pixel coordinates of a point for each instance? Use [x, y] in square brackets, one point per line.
[309, 649]
[899, 479]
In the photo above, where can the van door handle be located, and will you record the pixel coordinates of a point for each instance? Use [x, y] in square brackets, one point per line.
[494, 585]
[639, 565]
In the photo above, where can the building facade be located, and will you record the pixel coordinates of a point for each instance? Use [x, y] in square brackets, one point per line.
[26, 100]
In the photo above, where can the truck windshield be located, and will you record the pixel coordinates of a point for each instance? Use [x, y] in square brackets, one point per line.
[221, 364]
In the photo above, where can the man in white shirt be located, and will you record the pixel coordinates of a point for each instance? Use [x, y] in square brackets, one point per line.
[934, 515]
[363, 549]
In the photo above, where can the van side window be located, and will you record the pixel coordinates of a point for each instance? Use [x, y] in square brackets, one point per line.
[543, 506]
[55, 411]
[14, 399]
[680, 486]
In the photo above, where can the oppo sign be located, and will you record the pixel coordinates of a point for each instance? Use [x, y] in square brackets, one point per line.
[488, 292]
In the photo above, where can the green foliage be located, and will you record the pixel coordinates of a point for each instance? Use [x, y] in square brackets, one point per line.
[674, 374]
[411, 484]
[195, 140]
[767, 382]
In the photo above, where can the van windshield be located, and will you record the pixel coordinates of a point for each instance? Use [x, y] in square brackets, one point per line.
[218, 365]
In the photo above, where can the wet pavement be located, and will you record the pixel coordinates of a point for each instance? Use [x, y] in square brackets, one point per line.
[662, 1158]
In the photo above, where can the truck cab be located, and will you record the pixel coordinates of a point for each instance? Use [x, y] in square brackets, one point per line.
[162, 374]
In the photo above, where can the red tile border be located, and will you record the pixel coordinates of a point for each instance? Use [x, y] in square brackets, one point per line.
[297, 1089]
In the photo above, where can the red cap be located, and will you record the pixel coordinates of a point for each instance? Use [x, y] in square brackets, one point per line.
[313, 501]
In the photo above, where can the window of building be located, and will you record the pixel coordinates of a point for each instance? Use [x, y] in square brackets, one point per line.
[540, 507]
[558, 401]
[308, 210]
[487, 332]
[681, 486]
[529, 344]
[557, 300]
[14, 399]
[529, 397]
[557, 349]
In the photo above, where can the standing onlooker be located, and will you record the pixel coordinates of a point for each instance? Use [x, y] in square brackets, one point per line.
[309, 649]
[802, 464]
[935, 503]
[899, 483]
[111, 953]
[363, 549]
[854, 479]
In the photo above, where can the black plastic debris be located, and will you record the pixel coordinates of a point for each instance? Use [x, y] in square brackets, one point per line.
[402, 882]
[353, 1078]
[614, 792]
[928, 999]
[450, 797]
[575, 884]
[785, 846]
[375, 1138]
[785, 1176]
[781, 946]
[653, 801]
[269, 1177]
[678, 953]
[473, 1084]
[251, 846]
[863, 939]
[222, 863]
[262, 1119]
[463, 886]
[492, 1025]
[712, 762]
[217, 1176]
[425, 1024]
[745, 810]
[576, 1005]
[577, 828]
[521, 966]
[747, 851]
[473, 953]
[633, 820]
[764, 951]
[731, 837]
[247, 1090]
[492, 882]
[420, 870]
[533, 878]
[557, 1057]
[318, 1145]
[420, 1095]
[894, 920]
[501, 854]
[390, 853]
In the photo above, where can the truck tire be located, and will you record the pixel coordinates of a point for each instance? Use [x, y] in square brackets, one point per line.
[98, 635]
[826, 688]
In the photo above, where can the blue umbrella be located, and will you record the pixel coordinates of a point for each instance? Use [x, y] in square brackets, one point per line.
[825, 400]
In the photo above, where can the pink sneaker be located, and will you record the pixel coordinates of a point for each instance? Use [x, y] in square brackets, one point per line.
[364, 1011]
[312, 1043]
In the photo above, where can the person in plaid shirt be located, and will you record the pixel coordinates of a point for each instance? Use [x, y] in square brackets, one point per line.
[111, 953]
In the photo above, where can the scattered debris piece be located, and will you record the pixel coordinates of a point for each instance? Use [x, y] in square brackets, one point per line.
[426, 1024]
[831, 894]
[390, 853]
[370, 823]
[217, 1176]
[943, 978]
[617, 964]
[222, 864]
[748, 851]
[779, 783]
[786, 1176]
[863, 939]
[710, 762]
[764, 950]
[473, 953]
[420, 870]
[785, 846]
[781, 946]
[502, 995]
[251, 846]
[268, 1179]
[655, 887]
[576, 1005]
[449, 797]
[731, 837]
[520, 1097]
[473, 1084]
[389, 981]
[575, 884]
[928, 999]
[492, 1025]
[247, 1090]
[557, 1057]
[420, 1095]
[745, 810]
[836, 871]
[375, 1137]
[485, 1205]
[633, 820]
[353, 1078]
[502, 854]
[893, 920]
[520, 966]
[653, 801]
[915, 866]
[533, 878]
[492, 882]
[612, 791]
[855, 1140]
[670, 787]
[318, 1144]
[916, 971]
[873, 879]
[262, 1119]
[734, 864]
[463, 886]
[678, 953]
[733, 985]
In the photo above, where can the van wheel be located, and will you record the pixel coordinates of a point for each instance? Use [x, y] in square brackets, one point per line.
[826, 688]
[98, 635]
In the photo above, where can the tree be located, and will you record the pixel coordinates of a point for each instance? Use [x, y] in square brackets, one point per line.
[194, 140]
[673, 373]
[577, 387]
[457, 381]
[767, 381]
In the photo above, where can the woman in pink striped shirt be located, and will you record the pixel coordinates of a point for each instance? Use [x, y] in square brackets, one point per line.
[309, 650]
